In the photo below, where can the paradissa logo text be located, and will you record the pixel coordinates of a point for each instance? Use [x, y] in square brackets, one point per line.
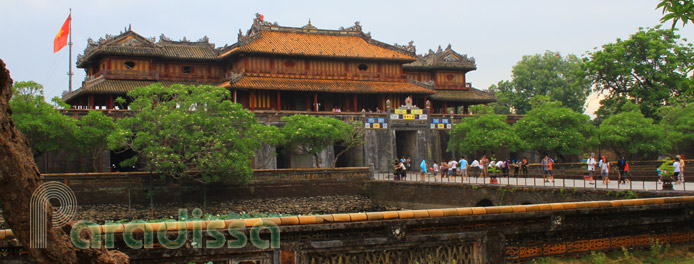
[214, 238]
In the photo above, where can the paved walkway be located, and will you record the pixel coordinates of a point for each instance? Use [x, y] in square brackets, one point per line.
[538, 181]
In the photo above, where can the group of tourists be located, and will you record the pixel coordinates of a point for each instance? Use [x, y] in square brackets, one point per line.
[604, 166]
[464, 169]
[623, 170]
[400, 168]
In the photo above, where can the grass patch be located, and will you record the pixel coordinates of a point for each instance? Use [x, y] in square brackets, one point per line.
[657, 253]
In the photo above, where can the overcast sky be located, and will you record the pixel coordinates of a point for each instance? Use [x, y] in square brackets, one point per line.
[496, 33]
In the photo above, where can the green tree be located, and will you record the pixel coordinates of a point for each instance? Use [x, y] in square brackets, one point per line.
[313, 134]
[93, 129]
[184, 130]
[353, 136]
[551, 128]
[649, 68]
[503, 91]
[484, 133]
[43, 125]
[271, 137]
[630, 133]
[560, 78]
[678, 126]
[677, 10]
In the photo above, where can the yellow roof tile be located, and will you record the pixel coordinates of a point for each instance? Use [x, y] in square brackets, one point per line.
[321, 45]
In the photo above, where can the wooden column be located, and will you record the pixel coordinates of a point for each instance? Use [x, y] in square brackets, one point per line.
[466, 109]
[235, 98]
[445, 108]
[315, 102]
[91, 101]
[252, 102]
[279, 105]
[356, 109]
[110, 102]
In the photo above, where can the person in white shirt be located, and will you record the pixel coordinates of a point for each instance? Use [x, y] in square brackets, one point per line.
[676, 165]
[452, 165]
[591, 167]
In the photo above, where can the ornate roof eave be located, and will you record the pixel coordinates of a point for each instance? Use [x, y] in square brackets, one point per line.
[446, 59]
[97, 47]
[146, 47]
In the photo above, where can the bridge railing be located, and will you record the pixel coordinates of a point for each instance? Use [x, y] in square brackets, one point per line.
[535, 178]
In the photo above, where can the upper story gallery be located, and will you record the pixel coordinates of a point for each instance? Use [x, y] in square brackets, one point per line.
[280, 68]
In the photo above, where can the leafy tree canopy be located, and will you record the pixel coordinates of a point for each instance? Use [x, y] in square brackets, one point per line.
[43, 125]
[678, 126]
[92, 131]
[484, 133]
[631, 134]
[313, 134]
[505, 97]
[677, 10]
[560, 78]
[184, 130]
[553, 129]
[649, 68]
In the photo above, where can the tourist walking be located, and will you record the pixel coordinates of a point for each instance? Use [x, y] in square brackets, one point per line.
[462, 164]
[524, 166]
[677, 168]
[435, 168]
[591, 168]
[452, 165]
[605, 170]
[444, 169]
[423, 165]
[621, 166]
[545, 168]
[484, 162]
[516, 168]
[396, 170]
[681, 157]
[476, 164]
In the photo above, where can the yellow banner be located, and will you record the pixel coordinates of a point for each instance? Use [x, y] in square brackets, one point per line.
[417, 111]
[401, 111]
[410, 117]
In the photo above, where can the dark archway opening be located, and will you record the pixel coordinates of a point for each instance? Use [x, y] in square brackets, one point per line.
[484, 203]
[283, 159]
[405, 143]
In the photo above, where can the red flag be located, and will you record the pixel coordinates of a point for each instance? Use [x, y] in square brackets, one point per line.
[60, 40]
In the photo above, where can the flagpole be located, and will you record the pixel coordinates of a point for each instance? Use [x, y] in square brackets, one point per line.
[70, 47]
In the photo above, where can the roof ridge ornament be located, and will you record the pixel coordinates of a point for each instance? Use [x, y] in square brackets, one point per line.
[410, 46]
[355, 28]
[309, 25]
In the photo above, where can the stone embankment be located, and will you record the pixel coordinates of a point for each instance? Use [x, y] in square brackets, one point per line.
[290, 206]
